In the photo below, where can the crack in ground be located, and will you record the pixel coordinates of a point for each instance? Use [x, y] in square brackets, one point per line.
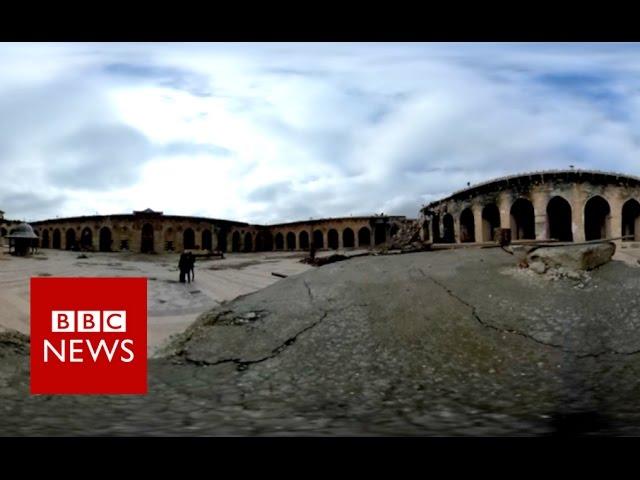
[485, 324]
[242, 365]
[308, 290]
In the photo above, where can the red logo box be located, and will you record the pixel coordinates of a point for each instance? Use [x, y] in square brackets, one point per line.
[88, 335]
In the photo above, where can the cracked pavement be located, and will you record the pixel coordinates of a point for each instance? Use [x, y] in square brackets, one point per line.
[434, 343]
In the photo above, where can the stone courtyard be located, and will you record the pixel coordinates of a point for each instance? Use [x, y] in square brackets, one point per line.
[458, 342]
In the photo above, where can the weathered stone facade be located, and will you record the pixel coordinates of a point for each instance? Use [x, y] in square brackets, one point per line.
[566, 205]
[148, 231]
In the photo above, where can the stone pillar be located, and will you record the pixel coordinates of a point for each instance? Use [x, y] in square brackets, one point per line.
[456, 227]
[504, 206]
[95, 240]
[477, 222]
[540, 200]
[615, 214]
[577, 201]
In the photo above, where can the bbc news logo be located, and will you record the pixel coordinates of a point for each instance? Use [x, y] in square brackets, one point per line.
[88, 335]
[88, 321]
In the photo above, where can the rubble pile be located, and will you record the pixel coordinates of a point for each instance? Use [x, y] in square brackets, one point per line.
[407, 238]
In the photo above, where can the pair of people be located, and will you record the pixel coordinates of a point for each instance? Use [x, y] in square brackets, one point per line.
[186, 265]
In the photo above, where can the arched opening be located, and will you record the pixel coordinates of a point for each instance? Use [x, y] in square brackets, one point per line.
[318, 239]
[348, 239]
[86, 239]
[380, 234]
[207, 240]
[559, 219]
[447, 227]
[55, 242]
[435, 228]
[467, 226]
[235, 242]
[597, 219]
[45, 238]
[279, 241]
[304, 240]
[188, 239]
[291, 241]
[70, 238]
[222, 240]
[631, 220]
[146, 238]
[169, 240]
[364, 237]
[523, 222]
[490, 222]
[332, 239]
[248, 242]
[3, 232]
[426, 235]
[264, 241]
[105, 239]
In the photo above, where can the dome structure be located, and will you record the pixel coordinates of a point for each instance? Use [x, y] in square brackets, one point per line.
[23, 230]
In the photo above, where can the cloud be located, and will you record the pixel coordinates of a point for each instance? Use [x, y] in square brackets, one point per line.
[281, 132]
[98, 157]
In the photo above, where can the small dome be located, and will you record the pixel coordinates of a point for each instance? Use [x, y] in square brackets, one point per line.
[24, 230]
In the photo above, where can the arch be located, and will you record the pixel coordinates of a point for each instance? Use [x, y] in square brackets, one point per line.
[380, 234]
[3, 232]
[348, 239]
[279, 241]
[45, 238]
[235, 241]
[426, 234]
[105, 239]
[559, 219]
[188, 239]
[333, 241]
[597, 218]
[523, 220]
[169, 240]
[318, 239]
[248, 242]
[631, 220]
[222, 240]
[303, 240]
[264, 241]
[448, 229]
[364, 237]
[490, 222]
[467, 226]
[146, 238]
[435, 228]
[291, 241]
[55, 242]
[207, 240]
[86, 239]
[70, 239]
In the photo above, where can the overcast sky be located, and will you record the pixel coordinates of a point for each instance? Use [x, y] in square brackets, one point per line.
[269, 133]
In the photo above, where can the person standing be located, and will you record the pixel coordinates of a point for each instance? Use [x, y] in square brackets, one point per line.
[183, 266]
[192, 266]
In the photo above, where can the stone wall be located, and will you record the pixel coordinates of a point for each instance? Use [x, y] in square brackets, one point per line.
[531, 207]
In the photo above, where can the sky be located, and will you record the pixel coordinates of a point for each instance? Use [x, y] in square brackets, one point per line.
[267, 133]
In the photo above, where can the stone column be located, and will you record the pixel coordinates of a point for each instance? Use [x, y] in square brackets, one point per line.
[615, 214]
[540, 200]
[477, 222]
[504, 206]
[456, 227]
[577, 201]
